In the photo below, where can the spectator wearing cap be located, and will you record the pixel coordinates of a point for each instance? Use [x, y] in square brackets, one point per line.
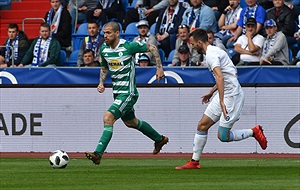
[184, 57]
[249, 45]
[166, 28]
[183, 38]
[275, 49]
[145, 37]
[144, 61]
[253, 10]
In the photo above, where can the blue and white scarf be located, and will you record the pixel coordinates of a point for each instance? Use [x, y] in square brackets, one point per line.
[40, 55]
[230, 18]
[106, 3]
[93, 45]
[249, 13]
[193, 19]
[15, 45]
[269, 43]
[167, 25]
[56, 19]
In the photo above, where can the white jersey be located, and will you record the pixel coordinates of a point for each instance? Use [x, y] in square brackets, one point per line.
[216, 57]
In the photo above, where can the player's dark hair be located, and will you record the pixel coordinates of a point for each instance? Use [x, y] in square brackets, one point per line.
[13, 25]
[199, 34]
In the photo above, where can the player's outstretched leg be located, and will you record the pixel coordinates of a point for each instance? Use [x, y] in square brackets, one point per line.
[158, 145]
[258, 134]
[94, 156]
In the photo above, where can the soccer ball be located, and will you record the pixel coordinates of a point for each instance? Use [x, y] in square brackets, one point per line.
[59, 159]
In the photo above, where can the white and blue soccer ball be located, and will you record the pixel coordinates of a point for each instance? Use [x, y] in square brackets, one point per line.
[59, 159]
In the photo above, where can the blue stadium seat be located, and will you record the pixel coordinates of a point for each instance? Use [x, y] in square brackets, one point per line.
[171, 55]
[298, 55]
[77, 37]
[5, 2]
[162, 54]
[128, 37]
[131, 28]
[152, 28]
[132, 6]
[290, 55]
[62, 57]
[73, 59]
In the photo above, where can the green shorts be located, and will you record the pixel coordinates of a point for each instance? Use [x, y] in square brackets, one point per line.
[123, 106]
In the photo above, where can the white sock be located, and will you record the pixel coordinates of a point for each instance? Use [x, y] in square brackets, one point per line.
[199, 143]
[241, 134]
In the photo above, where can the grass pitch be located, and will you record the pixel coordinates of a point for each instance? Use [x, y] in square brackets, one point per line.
[154, 174]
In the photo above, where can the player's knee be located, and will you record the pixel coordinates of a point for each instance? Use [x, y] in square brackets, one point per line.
[201, 126]
[108, 119]
[131, 123]
[223, 134]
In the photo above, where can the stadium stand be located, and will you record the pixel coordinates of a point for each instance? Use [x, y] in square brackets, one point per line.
[77, 37]
[72, 59]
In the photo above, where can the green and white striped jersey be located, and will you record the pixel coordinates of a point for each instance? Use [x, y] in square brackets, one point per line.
[121, 64]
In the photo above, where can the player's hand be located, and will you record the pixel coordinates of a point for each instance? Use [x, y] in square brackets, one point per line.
[100, 88]
[223, 107]
[206, 98]
[160, 74]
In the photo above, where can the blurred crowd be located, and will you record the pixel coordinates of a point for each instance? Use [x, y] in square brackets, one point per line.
[252, 32]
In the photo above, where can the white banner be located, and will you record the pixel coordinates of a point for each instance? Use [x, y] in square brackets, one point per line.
[46, 119]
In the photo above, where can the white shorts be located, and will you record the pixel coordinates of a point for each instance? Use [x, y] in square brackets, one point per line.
[234, 105]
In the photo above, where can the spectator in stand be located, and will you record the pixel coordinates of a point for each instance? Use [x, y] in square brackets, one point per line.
[199, 15]
[145, 10]
[184, 57]
[89, 59]
[214, 42]
[228, 22]
[18, 41]
[183, 39]
[80, 8]
[144, 61]
[44, 50]
[253, 10]
[105, 11]
[275, 49]
[166, 28]
[249, 45]
[217, 6]
[59, 19]
[283, 16]
[145, 37]
[93, 42]
[295, 6]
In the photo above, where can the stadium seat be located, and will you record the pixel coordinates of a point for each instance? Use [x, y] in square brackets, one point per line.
[63, 57]
[77, 37]
[290, 55]
[128, 37]
[171, 55]
[162, 54]
[132, 6]
[131, 28]
[73, 59]
[152, 28]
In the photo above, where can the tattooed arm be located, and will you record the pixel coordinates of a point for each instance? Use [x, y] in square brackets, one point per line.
[154, 51]
[103, 75]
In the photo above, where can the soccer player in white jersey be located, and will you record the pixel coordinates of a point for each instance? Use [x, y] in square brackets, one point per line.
[225, 106]
[117, 57]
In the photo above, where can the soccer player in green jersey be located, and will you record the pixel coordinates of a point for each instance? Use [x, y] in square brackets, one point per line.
[117, 58]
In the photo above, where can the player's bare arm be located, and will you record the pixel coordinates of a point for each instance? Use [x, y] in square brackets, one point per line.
[154, 51]
[220, 85]
[206, 97]
[103, 75]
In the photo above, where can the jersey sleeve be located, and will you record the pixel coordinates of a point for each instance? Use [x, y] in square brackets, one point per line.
[103, 62]
[136, 47]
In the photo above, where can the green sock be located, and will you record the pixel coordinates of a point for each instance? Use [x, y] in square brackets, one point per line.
[147, 130]
[104, 140]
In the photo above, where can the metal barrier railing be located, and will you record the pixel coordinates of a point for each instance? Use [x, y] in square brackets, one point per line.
[25, 19]
[12, 57]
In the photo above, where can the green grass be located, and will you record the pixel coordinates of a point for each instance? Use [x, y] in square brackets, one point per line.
[154, 174]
